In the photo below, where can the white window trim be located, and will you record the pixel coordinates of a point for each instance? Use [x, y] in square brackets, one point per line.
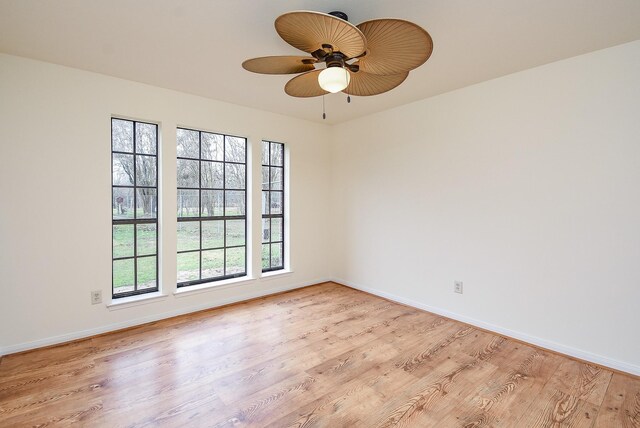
[140, 299]
[266, 276]
[210, 286]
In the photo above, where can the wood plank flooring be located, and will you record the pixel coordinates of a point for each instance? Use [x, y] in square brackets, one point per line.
[322, 356]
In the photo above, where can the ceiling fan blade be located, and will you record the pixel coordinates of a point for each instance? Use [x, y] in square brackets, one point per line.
[304, 86]
[308, 31]
[279, 64]
[365, 84]
[394, 46]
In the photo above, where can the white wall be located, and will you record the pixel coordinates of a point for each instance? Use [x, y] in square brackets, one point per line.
[526, 187]
[55, 172]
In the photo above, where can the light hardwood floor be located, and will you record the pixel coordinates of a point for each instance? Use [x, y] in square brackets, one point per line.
[322, 356]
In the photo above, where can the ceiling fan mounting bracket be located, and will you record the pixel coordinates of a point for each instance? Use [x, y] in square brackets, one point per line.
[340, 15]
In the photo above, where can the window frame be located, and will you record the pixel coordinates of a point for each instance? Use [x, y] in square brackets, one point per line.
[200, 218]
[271, 216]
[136, 221]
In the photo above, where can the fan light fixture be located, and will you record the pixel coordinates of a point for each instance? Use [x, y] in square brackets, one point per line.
[334, 79]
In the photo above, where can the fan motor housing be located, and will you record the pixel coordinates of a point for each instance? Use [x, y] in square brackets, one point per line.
[336, 59]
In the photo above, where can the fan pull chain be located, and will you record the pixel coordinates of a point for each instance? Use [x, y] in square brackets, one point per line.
[348, 99]
[324, 115]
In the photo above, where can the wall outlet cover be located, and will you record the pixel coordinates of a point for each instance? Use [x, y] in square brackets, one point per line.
[457, 286]
[96, 297]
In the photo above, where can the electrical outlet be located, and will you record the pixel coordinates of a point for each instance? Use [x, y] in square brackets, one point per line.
[457, 287]
[96, 297]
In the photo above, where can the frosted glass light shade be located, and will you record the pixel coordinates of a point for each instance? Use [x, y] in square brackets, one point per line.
[334, 79]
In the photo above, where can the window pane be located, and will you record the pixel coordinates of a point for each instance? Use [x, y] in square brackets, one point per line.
[213, 234]
[265, 153]
[276, 154]
[265, 178]
[235, 232]
[234, 176]
[276, 255]
[188, 235]
[266, 230]
[211, 203]
[266, 258]
[188, 266]
[122, 203]
[146, 138]
[146, 239]
[212, 263]
[276, 178]
[276, 203]
[265, 202]
[122, 169]
[146, 170]
[273, 204]
[146, 272]
[135, 199]
[220, 175]
[123, 276]
[187, 144]
[123, 241]
[276, 229]
[188, 173]
[147, 203]
[212, 146]
[235, 260]
[188, 203]
[234, 202]
[212, 174]
[122, 135]
[234, 148]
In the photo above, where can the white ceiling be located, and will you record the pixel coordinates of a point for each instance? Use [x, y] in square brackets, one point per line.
[197, 46]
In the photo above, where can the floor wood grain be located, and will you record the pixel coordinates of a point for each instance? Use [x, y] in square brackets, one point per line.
[322, 356]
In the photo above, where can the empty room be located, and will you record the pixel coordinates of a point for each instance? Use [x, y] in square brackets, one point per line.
[354, 213]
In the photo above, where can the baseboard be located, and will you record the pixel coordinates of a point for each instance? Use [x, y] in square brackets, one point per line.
[533, 340]
[83, 334]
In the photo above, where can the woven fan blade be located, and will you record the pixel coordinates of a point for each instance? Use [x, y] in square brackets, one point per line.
[304, 86]
[308, 31]
[394, 46]
[279, 64]
[366, 84]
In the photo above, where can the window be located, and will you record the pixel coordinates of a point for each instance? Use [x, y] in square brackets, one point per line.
[212, 199]
[134, 163]
[272, 206]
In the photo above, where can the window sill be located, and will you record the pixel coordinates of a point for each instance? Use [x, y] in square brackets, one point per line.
[266, 276]
[143, 299]
[210, 286]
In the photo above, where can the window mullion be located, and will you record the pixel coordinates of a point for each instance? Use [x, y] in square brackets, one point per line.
[224, 205]
[135, 210]
[200, 205]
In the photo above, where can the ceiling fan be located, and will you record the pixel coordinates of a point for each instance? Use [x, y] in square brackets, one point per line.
[368, 59]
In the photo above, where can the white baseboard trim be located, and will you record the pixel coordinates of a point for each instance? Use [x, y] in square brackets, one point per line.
[76, 335]
[542, 343]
